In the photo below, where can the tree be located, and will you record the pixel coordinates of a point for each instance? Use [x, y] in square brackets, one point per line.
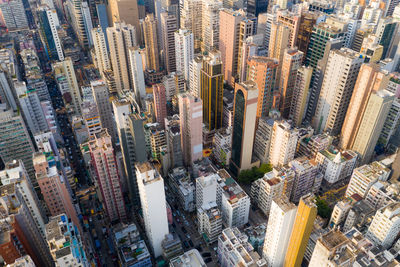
[323, 208]
[249, 176]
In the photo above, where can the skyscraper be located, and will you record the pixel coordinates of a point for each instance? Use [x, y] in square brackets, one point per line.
[169, 25]
[14, 15]
[184, 51]
[125, 11]
[49, 24]
[283, 143]
[210, 25]
[191, 19]
[302, 227]
[160, 103]
[262, 71]
[278, 42]
[212, 90]
[120, 37]
[300, 94]
[151, 41]
[291, 62]
[340, 76]
[371, 124]
[280, 225]
[105, 168]
[195, 75]
[244, 123]
[101, 97]
[191, 117]
[137, 74]
[370, 79]
[152, 198]
[102, 60]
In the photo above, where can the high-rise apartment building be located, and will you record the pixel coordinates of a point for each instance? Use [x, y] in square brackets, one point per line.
[102, 98]
[152, 198]
[262, 71]
[337, 87]
[49, 24]
[184, 51]
[212, 90]
[151, 41]
[291, 62]
[160, 103]
[64, 71]
[307, 178]
[262, 139]
[370, 79]
[105, 168]
[283, 143]
[280, 224]
[169, 25]
[302, 228]
[125, 11]
[244, 123]
[191, 117]
[306, 24]
[90, 112]
[102, 60]
[13, 13]
[292, 21]
[137, 74]
[229, 25]
[210, 25]
[371, 125]
[173, 139]
[195, 67]
[191, 19]
[300, 93]
[278, 42]
[120, 38]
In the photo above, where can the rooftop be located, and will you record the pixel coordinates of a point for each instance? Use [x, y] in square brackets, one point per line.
[191, 258]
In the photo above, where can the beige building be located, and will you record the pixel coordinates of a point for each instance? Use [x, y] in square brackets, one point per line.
[151, 41]
[191, 19]
[102, 60]
[125, 11]
[300, 93]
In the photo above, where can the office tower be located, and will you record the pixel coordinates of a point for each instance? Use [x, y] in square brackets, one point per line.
[20, 234]
[307, 21]
[234, 249]
[256, 7]
[121, 37]
[337, 87]
[385, 225]
[212, 90]
[125, 11]
[64, 70]
[291, 62]
[191, 117]
[327, 246]
[229, 25]
[184, 51]
[49, 24]
[14, 15]
[160, 103]
[267, 188]
[370, 79]
[302, 228]
[307, 178]
[262, 71]
[280, 225]
[191, 19]
[336, 165]
[371, 124]
[31, 108]
[102, 60]
[107, 177]
[65, 241]
[244, 123]
[137, 75]
[152, 198]
[169, 25]
[283, 143]
[102, 99]
[300, 94]
[321, 34]
[102, 16]
[151, 41]
[195, 67]
[15, 173]
[210, 25]
[365, 176]
[15, 143]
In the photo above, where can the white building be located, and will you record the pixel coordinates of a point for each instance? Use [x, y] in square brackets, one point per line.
[87, 19]
[283, 143]
[279, 229]
[365, 176]
[207, 190]
[307, 179]
[137, 75]
[195, 67]
[190, 258]
[102, 60]
[184, 50]
[336, 165]
[152, 198]
[385, 226]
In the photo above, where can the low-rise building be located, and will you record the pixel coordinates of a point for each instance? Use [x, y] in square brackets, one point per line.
[191, 258]
[172, 246]
[210, 222]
